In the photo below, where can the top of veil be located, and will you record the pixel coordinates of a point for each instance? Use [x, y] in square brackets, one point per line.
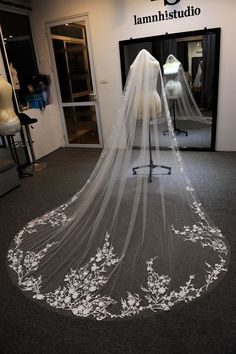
[140, 90]
[171, 65]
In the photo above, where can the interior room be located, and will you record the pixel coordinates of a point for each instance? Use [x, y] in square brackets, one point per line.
[117, 176]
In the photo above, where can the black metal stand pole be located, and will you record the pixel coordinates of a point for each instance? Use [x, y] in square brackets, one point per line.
[177, 130]
[151, 165]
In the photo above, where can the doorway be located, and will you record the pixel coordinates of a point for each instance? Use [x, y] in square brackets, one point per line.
[74, 75]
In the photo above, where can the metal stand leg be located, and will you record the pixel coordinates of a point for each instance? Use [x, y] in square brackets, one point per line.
[14, 154]
[151, 165]
[35, 166]
[176, 130]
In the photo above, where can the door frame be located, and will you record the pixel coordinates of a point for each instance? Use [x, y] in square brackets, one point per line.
[61, 21]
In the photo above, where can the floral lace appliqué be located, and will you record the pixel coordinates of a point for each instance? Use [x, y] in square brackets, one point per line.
[80, 295]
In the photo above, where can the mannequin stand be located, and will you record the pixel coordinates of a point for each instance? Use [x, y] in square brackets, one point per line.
[26, 121]
[13, 149]
[151, 165]
[176, 130]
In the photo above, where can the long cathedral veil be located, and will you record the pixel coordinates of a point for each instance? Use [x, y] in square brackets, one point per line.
[135, 239]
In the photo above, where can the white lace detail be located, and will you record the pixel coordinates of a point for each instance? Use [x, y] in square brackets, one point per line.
[207, 235]
[134, 239]
[79, 293]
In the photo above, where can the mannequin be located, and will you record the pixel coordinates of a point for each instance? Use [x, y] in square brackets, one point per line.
[15, 79]
[179, 93]
[171, 66]
[154, 108]
[9, 122]
[149, 107]
[173, 87]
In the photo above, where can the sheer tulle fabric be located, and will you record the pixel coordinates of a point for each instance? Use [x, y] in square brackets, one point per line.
[178, 90]
[131, 242]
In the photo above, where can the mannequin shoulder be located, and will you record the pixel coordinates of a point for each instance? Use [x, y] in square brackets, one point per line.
[171, 68]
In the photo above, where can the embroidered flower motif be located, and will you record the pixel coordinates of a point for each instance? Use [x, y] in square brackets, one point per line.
[80, 292]
[207, 235]
[54, 218]
[22, 264]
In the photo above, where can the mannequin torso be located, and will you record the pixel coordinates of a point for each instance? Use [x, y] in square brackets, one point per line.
[9, 122]
[173, 87]
[148, 96]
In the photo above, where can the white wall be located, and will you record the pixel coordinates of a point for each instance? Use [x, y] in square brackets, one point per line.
[46, 132]
[112, 21]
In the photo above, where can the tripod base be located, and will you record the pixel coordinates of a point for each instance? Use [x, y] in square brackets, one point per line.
[35, 167]
[177, 132]
[151, 167]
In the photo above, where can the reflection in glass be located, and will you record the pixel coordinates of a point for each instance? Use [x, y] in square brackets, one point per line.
[198, 52]
[20, 53]
[71, 55]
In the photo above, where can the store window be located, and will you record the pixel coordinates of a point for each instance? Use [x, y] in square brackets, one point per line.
[20, 54]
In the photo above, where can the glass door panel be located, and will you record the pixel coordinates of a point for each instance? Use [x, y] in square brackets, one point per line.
[76, 84]
[81, 125]
[73, 70]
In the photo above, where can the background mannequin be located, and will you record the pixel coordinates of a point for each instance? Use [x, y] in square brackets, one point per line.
[173, 87]
[9, 122]
[15, 79]
[178, 92]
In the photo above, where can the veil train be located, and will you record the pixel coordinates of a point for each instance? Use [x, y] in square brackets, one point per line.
[125, 245]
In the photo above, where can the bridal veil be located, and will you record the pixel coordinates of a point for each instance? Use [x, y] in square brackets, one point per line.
[135, 240]
[178, 91]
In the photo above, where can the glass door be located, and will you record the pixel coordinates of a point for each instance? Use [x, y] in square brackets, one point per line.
[69, 42]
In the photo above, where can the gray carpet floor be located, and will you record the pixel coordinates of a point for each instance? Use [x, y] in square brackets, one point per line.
[204, 326]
